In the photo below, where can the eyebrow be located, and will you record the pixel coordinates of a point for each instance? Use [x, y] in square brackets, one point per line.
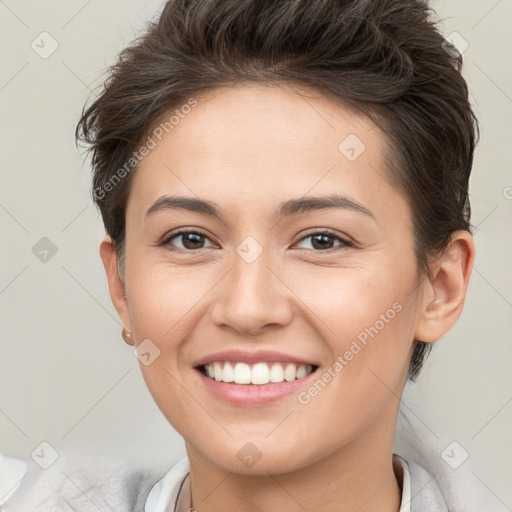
[285, 209]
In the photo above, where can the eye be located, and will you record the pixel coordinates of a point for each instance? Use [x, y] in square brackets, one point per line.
[322, 241]
[190, 240]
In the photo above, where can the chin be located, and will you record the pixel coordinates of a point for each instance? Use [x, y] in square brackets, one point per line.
[259, 456]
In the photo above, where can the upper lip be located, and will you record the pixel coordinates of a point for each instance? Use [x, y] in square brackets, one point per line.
[244, 356]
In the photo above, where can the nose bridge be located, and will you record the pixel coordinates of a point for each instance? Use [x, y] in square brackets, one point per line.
[252, 296]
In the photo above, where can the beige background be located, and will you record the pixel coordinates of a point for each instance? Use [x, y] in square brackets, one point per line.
[67, 378]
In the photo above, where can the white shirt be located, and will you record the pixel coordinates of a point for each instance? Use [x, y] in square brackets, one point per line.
[429, 484]
[12, 472]
[126, 487]
[420, 492]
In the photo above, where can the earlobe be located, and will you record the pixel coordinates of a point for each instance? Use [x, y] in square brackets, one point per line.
[115, 284]
[445, 294]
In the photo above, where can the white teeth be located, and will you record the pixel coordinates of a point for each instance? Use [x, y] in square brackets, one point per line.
[259, 373]
[301, 371]
[290, 372]
[242, 373]
[228, 374]
[276, 373]
[217, 371]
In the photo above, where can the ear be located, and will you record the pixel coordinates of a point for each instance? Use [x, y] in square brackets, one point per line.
[115, 284]
[444, 295]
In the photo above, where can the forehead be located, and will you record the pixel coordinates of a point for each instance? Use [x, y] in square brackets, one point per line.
[255, 145]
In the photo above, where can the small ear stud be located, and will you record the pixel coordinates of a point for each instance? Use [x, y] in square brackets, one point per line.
[127, 336]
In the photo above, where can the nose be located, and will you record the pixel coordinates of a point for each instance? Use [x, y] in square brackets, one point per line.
[252, 297]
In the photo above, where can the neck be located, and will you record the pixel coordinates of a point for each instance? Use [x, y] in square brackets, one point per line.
[357, 478]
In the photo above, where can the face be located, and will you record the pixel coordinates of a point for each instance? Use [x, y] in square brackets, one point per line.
[322, 292]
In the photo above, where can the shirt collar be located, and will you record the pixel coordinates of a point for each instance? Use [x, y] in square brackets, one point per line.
[401, 464]
[163, 495]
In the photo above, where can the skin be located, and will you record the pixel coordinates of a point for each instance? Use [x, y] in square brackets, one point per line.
[248, 148]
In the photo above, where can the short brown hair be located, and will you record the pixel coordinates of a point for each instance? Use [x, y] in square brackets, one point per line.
[384, 57]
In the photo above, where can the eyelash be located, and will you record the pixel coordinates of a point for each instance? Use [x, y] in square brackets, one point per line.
[343, 242]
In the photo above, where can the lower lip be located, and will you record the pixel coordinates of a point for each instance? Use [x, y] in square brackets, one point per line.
[253, 395]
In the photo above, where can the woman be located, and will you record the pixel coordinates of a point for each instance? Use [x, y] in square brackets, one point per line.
[284, 187]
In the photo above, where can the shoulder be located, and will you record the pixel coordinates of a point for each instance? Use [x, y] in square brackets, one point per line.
[420, 491]
[12, 471]
[432, 475]
[82, 485]
[425, 491]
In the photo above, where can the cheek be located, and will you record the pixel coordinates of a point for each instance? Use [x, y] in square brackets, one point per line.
[366, 317]
[358, 302]
[163, 309]
[163, 300]
[370, 348]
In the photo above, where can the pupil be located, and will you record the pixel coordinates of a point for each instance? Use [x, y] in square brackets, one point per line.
[324, 238]
[191, 239]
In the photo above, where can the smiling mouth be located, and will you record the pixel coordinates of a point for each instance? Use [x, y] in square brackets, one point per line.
[258, 374]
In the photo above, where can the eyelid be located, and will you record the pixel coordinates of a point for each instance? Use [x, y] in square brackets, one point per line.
[344, 242]
[182, 231]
